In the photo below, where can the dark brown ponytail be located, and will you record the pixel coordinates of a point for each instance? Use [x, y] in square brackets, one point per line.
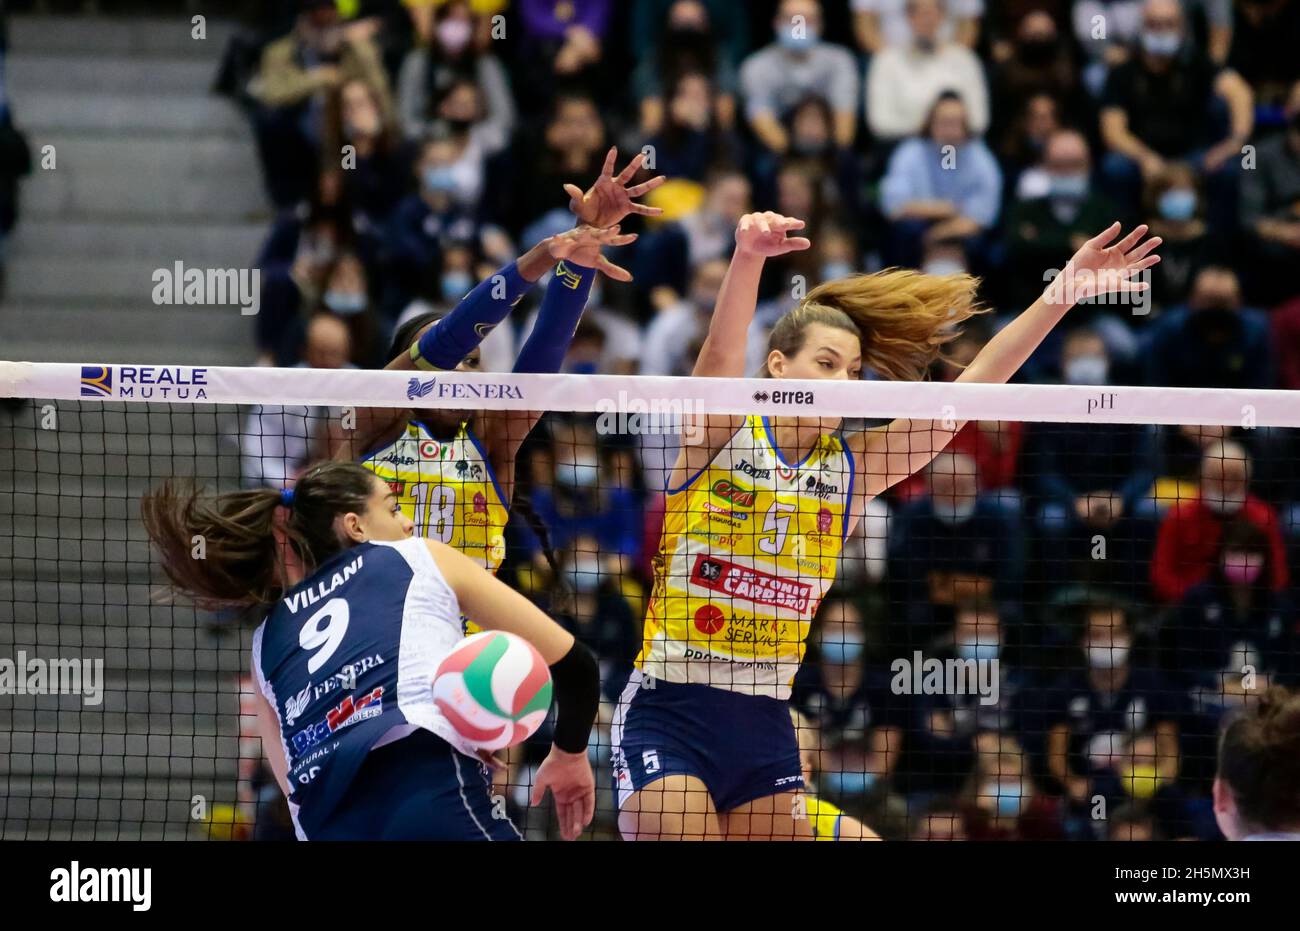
[227, 550]
[1259, 760]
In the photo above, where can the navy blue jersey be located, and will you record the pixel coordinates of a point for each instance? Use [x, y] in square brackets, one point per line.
[347, 660]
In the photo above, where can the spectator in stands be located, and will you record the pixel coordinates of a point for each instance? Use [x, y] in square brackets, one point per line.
[677, 328]
[423, 14]
[277, 441]
[573, 145]
[1002, 800]
[563, 43]
[945, 725]
[690, 141]
[943, 186]
[1106, 30]
[1045, 228]
[1088, 482]
[382, 172]
[666, 256]
[1173, 206]
[1270, 202]
[1265, 36]
[878, 24]
[1235, 608]
[430, 72]
[1041, 62]
[951, 546]
[799, 64]
[905, 82]
[673, 38]
[1212, 342]
[293, 85]
[1094, 716]
[1023, 144]
[596, 611]
[1166, 104]
[860, 721]
[1189, 542]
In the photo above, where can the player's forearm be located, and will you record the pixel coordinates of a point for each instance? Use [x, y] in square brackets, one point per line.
[557, 320]
[723, 352]
[1015, 343]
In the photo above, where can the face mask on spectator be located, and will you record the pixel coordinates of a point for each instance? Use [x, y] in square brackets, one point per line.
[584, 573]
[345, 302]
[1178, 205]
[943, 267]
[798, 41]
[1068, 187]
[983, 646]
[953, 513]
[1087, 370]
[1111, 657]
[837, 269]
[439, 179]
[841, 651]
[1007, 794]
[846, 784]
[456, 285]
[1242, 569]
[454, 34]
[1161, 44]
[580, 474]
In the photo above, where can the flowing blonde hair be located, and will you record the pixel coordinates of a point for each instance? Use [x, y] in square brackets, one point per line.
[903, 317]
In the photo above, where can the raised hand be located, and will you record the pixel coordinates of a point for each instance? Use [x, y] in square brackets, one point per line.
[583, 244]
[765, 234]
[1103, 266]
[609, 200]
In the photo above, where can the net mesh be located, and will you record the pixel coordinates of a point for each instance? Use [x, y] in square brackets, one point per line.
[1038, 634]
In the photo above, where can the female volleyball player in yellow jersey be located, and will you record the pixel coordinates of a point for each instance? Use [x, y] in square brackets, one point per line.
[453, 470]
[756, 513]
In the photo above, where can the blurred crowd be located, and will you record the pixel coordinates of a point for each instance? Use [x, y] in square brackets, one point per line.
[1129, 579]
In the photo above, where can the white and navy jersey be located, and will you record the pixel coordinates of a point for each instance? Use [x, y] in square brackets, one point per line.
[347, 660]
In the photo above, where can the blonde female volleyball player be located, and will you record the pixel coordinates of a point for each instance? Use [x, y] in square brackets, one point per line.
[453, 470]
[345, 659]
[756, 513]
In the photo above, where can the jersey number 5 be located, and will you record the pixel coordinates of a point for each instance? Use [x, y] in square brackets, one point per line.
[776, 524]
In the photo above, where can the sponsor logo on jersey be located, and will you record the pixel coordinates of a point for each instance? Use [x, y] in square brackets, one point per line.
[352, 710]
[432, 449]
[416, 389]
[709, 619]
[398, 488]
[787, 474]
[177, 382]
[752, 585]
[824, 519]
[737, 495]
[469, 470]
[723, 515]
[819, 489]
[480, 503]
[296, 705]
[346, 677]
[745, 468]
[396, 459]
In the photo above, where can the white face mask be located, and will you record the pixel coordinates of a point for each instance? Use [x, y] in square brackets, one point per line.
[1111, 657]
[581, 474]
[1087, 370]
[584, 574]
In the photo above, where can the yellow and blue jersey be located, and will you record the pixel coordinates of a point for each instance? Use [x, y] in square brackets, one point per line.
[448, 491]
[824, 818]
[750, 546]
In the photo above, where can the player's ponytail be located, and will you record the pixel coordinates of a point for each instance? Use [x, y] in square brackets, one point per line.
[228, 550]
[903, 317]
[1259, 760]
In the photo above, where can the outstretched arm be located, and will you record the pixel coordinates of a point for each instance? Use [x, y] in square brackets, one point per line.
[904, 447]
[759, 236]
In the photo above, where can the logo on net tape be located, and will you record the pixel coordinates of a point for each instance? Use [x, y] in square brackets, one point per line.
[785, 397]
[416, 389]
[164, 382]
[753, 585]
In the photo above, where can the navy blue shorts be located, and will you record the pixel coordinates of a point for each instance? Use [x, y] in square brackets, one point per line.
[742, 747]
[418, 788]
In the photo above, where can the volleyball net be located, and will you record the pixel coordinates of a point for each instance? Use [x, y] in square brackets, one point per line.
[1038, 634]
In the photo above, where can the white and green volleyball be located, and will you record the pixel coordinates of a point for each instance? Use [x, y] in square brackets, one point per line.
[494, 688]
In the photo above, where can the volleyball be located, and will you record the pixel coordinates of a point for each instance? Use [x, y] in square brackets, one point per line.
[494, 688]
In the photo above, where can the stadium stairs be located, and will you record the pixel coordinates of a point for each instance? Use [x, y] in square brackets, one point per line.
[151, 169]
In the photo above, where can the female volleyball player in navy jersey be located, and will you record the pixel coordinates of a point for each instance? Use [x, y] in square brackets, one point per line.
[345, 659]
